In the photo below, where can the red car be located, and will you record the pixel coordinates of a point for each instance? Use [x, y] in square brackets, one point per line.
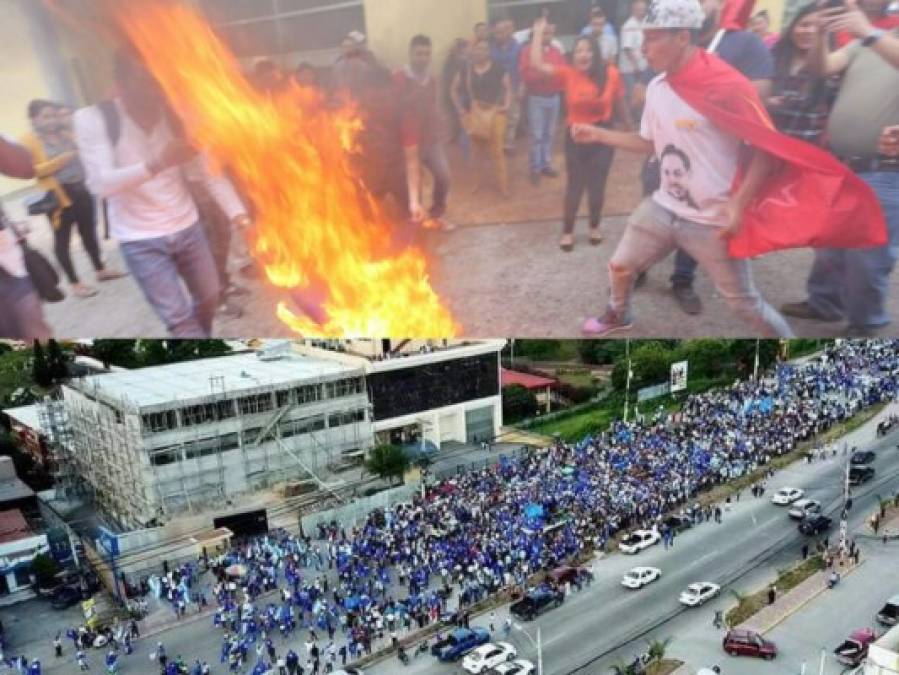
[748, 643]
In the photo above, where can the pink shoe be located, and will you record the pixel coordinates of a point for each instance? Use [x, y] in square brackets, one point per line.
[605, 325]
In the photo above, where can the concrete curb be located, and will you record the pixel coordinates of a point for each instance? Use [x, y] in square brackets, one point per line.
[811, 597]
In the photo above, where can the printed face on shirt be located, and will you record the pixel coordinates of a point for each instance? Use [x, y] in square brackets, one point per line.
[676, 175]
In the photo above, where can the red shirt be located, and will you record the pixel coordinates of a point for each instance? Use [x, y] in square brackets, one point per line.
[888, 22]
[585, 102]
[537, 83]
[420, 118]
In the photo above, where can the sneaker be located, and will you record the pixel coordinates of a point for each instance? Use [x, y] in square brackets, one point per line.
[550, 172]
[804, 310]
[687, 299]
[108, 274]
[641, 280]
[605, 325]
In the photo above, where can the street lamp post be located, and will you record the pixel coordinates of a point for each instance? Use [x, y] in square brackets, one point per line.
[537, 644]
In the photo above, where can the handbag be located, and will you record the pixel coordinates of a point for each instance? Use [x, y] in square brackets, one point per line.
[44, 276]
[44, 205]
[479, 121]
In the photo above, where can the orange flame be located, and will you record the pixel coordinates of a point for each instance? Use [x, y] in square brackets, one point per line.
[315, 226]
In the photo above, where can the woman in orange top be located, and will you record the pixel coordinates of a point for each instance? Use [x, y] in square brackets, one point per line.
[594, 94]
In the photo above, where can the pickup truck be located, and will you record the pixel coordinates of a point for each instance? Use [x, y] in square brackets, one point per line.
[854, 650]
[459, 642]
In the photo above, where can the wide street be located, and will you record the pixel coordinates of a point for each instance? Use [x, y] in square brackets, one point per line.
[606, 621]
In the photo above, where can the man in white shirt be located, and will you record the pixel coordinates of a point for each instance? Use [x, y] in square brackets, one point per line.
[632, 64]
[694, 208]
[601, 31]
[142, 175]
[21, 313]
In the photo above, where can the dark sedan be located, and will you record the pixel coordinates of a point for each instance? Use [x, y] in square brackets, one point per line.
[815, 525]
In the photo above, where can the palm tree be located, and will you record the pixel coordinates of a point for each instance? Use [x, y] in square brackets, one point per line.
[658, 649]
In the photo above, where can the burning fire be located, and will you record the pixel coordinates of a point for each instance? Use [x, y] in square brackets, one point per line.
[316, 229]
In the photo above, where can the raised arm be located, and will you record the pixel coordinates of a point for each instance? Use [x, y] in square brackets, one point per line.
[537, 48]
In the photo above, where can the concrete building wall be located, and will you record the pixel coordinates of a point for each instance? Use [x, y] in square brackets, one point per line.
[392, 23]
[446, 424]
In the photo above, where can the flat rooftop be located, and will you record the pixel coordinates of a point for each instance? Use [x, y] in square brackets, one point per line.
[157, 385]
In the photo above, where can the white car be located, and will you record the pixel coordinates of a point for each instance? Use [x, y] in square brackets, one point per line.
[517, 667]
[637, 540]
[696, 594]
[488, 656]
[786, 496]
[640, 577]
[804, 508]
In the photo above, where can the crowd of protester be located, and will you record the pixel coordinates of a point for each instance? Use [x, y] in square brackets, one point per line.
[318, 600]
[496, 85]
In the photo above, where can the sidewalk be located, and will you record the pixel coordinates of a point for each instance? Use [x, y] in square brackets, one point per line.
[795, 599]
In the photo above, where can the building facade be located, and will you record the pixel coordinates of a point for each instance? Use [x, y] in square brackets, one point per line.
[152, 443]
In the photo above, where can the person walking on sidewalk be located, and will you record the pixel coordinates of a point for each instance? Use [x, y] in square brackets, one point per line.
[142, 175]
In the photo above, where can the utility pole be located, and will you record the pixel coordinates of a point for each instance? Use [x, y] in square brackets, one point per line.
[630, 372]
[539, 653]
[755, 369]
[844, 518]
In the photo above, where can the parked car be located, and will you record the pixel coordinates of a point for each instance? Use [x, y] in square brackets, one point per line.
[678, 523]
[748, 643]
[859, 474]
[803, 508]
[786, 495]
[889, 613]
[536, 603]
[459, 642]
[640, 577]
[815, 524]
[863, 457]
[854, 649]
[698, 593]
[567, 574]
[65, 597]
[517, 667]
[637, 540]
[487, 656]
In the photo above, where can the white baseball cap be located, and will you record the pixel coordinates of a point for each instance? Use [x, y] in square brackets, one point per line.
[674, 14]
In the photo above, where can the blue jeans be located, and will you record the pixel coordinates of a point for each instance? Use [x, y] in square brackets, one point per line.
[160, 264]
[543, 113]
[21, 312]
[433, 158]
[854, 283]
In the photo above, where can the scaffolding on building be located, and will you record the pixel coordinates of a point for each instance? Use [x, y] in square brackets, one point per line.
[55, 428]
[112, 453]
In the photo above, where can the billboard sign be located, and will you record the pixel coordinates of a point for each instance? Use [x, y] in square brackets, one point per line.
[678, 376]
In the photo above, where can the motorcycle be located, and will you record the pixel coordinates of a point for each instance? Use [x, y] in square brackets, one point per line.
[402, 656]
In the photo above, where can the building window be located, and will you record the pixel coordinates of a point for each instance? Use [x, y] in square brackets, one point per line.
[309, 393]
[165, 456]
[250, 435]
[257, 403]
[23, 575]
[346, 417]
[407, 391]
[193, 415]
[256, 28]
[159, 421]
[225, 409]
[342, 388]
[284, 398]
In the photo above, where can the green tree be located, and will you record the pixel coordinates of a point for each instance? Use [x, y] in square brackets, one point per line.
[658, 649]
[57, 361]
[40, 369]
[44, 568]
[388, 461]
[122, 353]
[152, 352]
[518, 403]
[742, 354]
[651, 362]
[600, 352]
[708, 358]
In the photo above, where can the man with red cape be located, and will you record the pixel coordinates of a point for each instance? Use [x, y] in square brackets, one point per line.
[734, 187]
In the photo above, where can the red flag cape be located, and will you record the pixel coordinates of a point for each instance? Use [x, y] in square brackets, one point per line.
[735, 14]
[811, 201]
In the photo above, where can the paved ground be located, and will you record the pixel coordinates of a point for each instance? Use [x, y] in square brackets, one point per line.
[504, 278]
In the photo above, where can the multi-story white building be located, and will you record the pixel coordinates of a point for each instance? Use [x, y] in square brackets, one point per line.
[155, 442]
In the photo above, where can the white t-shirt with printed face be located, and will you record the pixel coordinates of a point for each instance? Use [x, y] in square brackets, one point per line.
[697, 160]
